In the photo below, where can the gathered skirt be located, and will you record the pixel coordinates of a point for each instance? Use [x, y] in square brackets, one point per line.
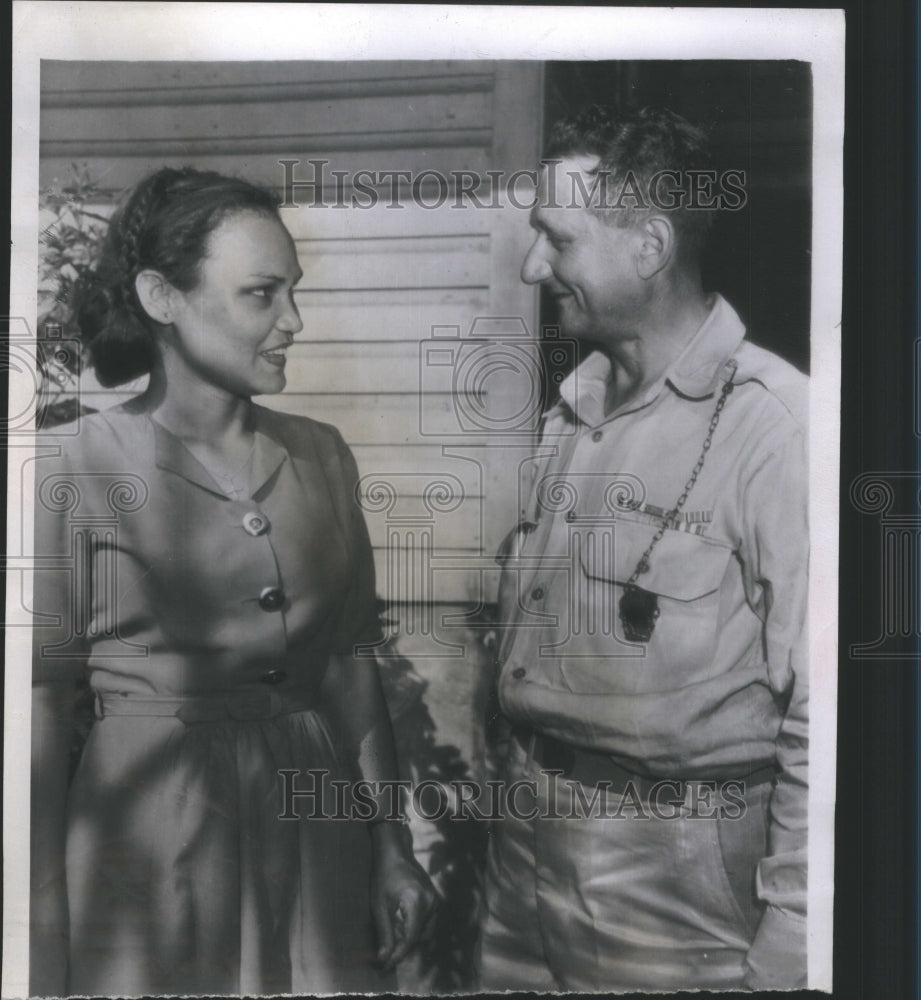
[183, 879]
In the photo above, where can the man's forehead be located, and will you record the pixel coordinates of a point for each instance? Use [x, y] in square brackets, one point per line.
[564, 193]
[568, 181]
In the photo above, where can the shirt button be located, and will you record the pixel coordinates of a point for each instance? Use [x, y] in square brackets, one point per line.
[518, 673]
[255, 523]
[273, 677]
[597, 436]
[271, 598]
[537, 594]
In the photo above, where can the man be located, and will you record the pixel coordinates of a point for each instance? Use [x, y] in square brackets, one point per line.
[654, 664]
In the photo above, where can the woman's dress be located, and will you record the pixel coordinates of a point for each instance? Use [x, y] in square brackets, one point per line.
[205, 624]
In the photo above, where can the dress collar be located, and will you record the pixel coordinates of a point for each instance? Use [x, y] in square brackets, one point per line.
[173, 456]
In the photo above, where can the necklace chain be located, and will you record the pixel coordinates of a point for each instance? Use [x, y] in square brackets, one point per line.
[643, 565]
[236, 482]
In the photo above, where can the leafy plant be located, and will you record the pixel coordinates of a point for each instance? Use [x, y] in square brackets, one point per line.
[444, 961]
[69, 245]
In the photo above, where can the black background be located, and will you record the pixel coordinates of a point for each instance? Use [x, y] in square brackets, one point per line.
[877, 871]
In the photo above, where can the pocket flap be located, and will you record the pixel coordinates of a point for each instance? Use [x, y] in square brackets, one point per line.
[682, 566]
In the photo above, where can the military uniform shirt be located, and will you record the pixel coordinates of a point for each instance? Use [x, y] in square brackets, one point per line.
[722, 685]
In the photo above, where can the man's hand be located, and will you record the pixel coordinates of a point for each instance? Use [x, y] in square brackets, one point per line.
[402, 895]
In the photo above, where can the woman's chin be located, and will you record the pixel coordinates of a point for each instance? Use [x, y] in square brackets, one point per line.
[270, 386]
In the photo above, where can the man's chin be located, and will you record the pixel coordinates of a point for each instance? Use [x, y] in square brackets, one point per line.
[582, 333]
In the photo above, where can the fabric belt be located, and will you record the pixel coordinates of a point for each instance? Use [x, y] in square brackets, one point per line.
[243, 705]
[593, 768]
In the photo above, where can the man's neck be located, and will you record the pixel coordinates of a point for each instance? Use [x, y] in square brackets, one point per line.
[638, 361]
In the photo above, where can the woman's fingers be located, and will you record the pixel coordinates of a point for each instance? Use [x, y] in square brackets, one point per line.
[412, 918]
[385, 933]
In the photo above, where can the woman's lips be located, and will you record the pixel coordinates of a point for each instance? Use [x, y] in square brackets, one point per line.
[275, 357]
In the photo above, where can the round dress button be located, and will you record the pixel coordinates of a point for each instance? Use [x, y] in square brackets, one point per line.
[597, 436]
[273, 677]
[255, 524]
[537, 594]
[271, 598]
[518, 673]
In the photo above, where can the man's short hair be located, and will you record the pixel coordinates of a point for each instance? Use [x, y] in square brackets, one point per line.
[652, 151]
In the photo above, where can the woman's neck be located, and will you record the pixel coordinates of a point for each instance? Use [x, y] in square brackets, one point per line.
[196, 410]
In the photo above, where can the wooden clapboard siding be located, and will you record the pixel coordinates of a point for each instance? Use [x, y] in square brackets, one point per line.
[455, 114]
[260, 164]
[377, 316]
[186, 82]
[244, 117]
[379, 282]
[442, 262]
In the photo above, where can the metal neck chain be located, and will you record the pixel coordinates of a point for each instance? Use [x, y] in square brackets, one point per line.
[643, 565]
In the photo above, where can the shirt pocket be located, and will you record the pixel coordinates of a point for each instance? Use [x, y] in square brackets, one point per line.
[685, 575]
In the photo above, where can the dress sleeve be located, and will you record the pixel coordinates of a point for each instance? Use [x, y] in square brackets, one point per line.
[777, 543]
[61, 581]
[358, 621]
[58, 660]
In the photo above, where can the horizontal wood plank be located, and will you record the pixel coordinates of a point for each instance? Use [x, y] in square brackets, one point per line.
[383, 419]
[413, 465]
[456, 531]
[267, 119]
[116, 172]
[452, 576]
[356, 317]
[278, 93]
[217, 145]
[455, 263]
[120, 75]
[385, 220]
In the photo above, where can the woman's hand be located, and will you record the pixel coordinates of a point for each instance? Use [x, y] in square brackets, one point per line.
[402, 895]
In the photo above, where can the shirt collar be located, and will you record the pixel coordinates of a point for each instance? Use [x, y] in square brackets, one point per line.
[697, 371]
[694, 374]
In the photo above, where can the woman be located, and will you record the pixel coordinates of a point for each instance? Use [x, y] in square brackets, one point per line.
[213, 577]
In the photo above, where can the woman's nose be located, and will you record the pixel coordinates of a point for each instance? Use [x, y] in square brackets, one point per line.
[290, 319]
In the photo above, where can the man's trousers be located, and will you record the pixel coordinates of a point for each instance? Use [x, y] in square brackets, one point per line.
[620, 896]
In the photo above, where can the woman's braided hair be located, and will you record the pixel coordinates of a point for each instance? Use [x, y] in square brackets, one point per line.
[165, 225]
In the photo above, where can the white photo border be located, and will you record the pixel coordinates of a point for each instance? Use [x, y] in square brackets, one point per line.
[216, 31]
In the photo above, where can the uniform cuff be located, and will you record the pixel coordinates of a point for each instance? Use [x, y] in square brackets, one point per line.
[777, 957]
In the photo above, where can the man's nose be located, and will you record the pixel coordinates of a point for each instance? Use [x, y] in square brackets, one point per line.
[535, 267]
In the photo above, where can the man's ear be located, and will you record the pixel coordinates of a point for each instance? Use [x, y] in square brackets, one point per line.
[657, 245]
[156, 295]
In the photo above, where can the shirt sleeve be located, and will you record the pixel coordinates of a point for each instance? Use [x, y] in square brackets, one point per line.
[358, 621]
[775, 519]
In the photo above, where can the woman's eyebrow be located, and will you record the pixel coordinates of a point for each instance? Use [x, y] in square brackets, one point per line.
[277, 278]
